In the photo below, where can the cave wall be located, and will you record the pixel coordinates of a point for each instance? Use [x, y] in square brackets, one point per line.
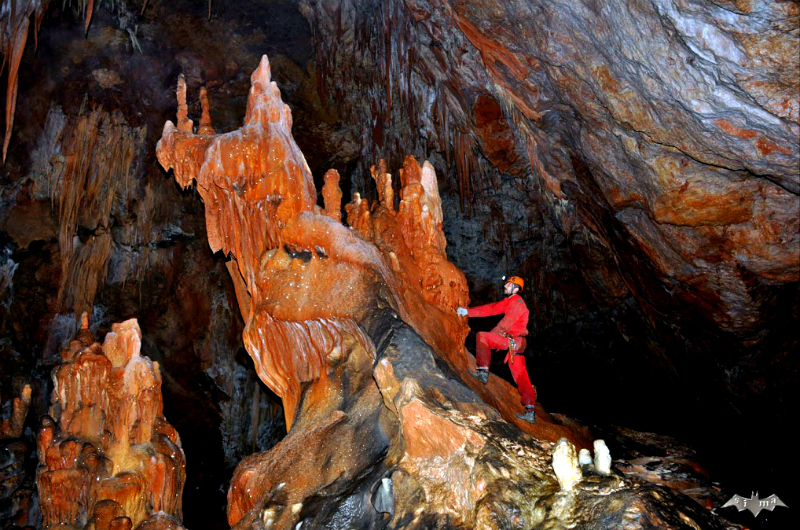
[636, 162]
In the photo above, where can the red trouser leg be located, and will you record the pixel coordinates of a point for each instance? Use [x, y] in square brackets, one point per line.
[486, 342]
[520, 374]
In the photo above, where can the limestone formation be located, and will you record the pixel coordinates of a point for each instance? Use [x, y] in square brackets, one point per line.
[565, 465]
[303, 278]
[108, 458]
[602, 457]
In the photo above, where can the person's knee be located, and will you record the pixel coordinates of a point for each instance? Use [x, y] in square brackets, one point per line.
[481, 336]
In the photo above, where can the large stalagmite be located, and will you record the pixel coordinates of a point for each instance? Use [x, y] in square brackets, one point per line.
[108, 458]
[337, 320]
[302, 278]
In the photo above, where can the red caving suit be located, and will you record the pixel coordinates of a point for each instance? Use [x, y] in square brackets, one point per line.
[514, 325]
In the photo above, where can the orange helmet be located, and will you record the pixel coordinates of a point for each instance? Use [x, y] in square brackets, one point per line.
[516, 280]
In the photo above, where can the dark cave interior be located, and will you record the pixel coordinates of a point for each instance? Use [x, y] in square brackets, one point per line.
[637, 163]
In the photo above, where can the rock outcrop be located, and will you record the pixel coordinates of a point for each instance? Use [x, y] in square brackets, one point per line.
[108, 458]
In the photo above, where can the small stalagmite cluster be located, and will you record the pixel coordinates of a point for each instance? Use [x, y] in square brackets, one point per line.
[411, 237]
[108, 458]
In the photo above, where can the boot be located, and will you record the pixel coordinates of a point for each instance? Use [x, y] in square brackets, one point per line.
[481, 375]
[529, 415]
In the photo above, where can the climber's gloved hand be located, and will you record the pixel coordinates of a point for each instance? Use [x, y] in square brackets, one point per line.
[462, 311]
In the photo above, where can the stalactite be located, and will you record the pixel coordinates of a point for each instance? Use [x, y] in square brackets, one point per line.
[89, 9]
[99, 160]
[145, 213]
[14, 24]
[465, 166]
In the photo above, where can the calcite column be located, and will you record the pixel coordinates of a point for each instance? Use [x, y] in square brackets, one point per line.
[108, 458]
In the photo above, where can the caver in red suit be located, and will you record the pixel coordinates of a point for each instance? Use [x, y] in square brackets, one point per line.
[509, 334]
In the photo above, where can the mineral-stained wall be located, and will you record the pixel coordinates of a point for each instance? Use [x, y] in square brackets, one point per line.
[108, 458]
[636, 162]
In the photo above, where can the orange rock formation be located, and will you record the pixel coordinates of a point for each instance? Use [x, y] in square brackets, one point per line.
[13, 426]
[107, 455]
[304, 281]
[302, 278]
